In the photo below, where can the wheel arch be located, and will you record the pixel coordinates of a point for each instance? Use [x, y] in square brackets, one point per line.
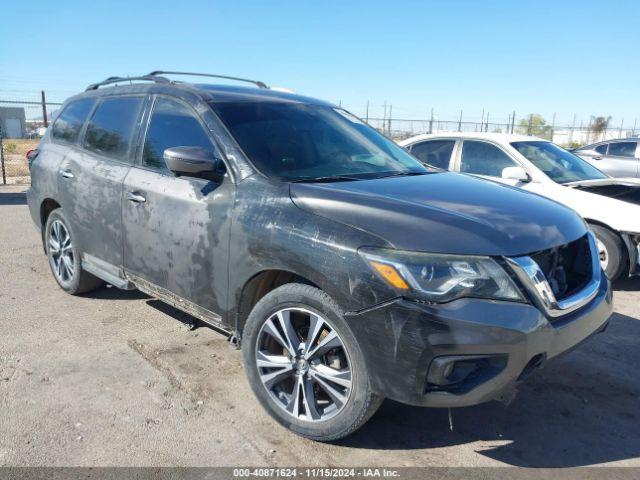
[628, 248]
[47, 206]
[261, 284]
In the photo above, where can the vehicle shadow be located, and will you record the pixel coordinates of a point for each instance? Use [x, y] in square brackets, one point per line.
[580, 409]
[13, 198]
[109, 292]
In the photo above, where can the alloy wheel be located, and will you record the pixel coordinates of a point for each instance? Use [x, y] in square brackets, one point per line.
[61, 252]
[603, 254]
[303, 364]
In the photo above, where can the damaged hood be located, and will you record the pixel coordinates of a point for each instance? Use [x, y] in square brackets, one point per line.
[444, 213]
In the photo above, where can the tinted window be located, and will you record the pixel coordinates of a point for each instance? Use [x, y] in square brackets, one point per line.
[69, 123]
[481, 158]
[622, 149]
[601, 148]
[111, 128]
[172, 124]
[436, 153]
[560, 165]
[303, 142]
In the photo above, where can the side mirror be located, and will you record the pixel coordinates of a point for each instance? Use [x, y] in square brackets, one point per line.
[516, 173]
[194, 162]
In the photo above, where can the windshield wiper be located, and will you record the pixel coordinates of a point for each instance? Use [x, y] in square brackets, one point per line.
[335, 178]
[403, 174]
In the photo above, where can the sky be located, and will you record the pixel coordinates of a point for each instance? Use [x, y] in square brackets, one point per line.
[549, 57]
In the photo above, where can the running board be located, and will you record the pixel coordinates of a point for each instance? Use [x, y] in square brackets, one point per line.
[212, 319]
[90, 265]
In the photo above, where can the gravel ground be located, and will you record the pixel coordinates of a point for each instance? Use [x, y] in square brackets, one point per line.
[115, 378]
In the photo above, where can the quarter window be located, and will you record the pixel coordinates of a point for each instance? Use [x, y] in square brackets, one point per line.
[111, 128]
[482, 158]
[172, 125]
[622, 149]
[69, 123]
[435, 153]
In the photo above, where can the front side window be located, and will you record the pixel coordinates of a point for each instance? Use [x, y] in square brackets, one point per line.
[557, 163]
[172, 124]
[482, 158]
[69, 123]
[112, 126]
[435, 153]
[302, 142]
[622, 149]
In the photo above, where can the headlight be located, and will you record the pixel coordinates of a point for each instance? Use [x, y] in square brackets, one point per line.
[441, 278]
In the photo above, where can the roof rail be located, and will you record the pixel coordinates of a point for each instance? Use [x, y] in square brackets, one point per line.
[258, 83]
[110, 80]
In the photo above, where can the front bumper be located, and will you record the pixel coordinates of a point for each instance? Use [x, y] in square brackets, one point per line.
[401, 338]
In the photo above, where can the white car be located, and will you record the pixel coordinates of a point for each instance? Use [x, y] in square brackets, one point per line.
[610, 206]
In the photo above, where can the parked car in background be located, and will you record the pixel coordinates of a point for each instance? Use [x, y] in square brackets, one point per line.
[616, 158]
[610, 206]
[346, 270]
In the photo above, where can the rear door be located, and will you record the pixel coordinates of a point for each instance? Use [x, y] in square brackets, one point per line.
[620, 160]
[488, 160]
[91, 181]
[435, 153]
[177, 228]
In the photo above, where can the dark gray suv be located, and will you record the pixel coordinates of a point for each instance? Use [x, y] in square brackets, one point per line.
[346, 270]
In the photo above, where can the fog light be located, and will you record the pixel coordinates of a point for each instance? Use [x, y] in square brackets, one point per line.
[457, 370]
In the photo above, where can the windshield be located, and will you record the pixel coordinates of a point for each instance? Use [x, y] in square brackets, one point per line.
[300, 142]
[560, 165]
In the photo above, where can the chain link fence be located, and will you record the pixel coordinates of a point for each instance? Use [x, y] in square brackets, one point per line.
[24, 119]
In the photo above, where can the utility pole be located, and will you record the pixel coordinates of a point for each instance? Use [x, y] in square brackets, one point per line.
[573, 126]
[530, 123]
[460, 122]
[486, 125]
[384, 115]
[431, 122]
[513, 121]
[367, 112]
[4, 177]
[633, 133]
[553, 124]
[44, 110]
[389, 122]
[621, 124]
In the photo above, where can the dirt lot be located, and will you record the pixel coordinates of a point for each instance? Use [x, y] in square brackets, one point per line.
[115, 378]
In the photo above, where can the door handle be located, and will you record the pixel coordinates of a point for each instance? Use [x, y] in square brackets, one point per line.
[136, 197]
[598, 157]
[67, 173]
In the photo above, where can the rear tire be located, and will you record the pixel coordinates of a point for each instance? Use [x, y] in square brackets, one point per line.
[613, 257]
[303, 400]
[64, 256]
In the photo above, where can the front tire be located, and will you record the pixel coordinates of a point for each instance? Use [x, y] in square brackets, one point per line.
[305, 366]
[611, 251]
[64, 256]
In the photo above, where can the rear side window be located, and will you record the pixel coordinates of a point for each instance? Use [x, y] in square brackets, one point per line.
[481, 158]
[111, 128]
[436, 153]
[172, 124]
[602, 148]
[622, 149]
[69, 123]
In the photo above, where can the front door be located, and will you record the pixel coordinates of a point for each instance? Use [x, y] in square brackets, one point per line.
[91, 180]
[177, 228]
